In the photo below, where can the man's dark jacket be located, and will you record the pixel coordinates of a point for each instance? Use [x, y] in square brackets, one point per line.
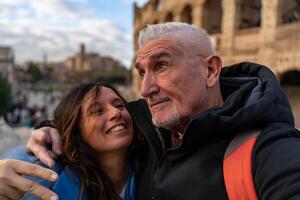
[253, 100]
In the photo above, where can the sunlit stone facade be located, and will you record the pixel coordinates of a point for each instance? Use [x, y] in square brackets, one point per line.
[264, 31]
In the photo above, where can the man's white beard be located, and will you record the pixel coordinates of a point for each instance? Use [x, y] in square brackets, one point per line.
[170, 122]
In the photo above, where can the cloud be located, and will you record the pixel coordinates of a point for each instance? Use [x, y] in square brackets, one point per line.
[12, 2]
[138, 2]
[56, 28]
[59, 8]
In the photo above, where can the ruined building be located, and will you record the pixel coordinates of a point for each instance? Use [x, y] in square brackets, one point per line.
[263, 31]
[87, 61]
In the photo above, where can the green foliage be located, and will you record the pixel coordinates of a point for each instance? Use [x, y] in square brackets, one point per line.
[112, 77]
[5, 95]
[50, 69]
[34, 72]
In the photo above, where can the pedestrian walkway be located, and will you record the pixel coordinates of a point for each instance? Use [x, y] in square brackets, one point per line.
[10, 138]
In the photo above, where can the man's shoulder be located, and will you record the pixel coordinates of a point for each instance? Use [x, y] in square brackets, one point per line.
[139, 109]
[137, 102]
[279, 134]
[276, 161]
[277, 144]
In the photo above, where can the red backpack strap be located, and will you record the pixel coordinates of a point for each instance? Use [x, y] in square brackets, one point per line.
[237, 167]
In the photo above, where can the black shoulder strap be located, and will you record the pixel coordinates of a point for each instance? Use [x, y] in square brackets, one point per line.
[239, 139]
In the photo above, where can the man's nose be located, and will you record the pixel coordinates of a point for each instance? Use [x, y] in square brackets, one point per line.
[149, 85]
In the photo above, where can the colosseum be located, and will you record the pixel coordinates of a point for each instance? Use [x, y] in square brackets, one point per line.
[263, 31]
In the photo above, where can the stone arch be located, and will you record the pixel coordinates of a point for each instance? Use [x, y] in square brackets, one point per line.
[291, 77]
[156, 21]
[290, 82]
[290, 11]
[169, 17]
[186, 14]
[249, 14]
[212, 16]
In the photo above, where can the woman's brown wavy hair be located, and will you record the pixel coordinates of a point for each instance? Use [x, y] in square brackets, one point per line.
[78, 154]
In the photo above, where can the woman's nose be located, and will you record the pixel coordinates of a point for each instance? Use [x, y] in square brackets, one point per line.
[114, 113]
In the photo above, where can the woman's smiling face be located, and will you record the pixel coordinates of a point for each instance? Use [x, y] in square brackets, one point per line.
[105, 123]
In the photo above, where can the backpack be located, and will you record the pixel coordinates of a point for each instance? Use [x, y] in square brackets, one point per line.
[237, 167]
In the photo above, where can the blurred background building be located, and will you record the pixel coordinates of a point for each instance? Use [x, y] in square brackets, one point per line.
[87, 61]
[7, 66]
[263, 31]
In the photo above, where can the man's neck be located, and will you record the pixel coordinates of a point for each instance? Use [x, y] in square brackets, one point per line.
[176, 139]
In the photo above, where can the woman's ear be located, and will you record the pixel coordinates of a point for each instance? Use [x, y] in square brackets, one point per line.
[214, 64]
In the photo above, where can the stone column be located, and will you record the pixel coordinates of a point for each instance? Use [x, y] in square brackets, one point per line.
[177, 15]
[138, 15]
[197, 15]
[269, 23]
[229, 24]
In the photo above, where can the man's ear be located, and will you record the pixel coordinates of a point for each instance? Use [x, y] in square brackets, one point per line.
[214, 64]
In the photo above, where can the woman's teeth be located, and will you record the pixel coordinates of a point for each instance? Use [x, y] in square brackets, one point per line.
[116, 129]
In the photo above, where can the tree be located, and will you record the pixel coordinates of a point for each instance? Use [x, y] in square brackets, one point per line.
[5, 95]
[34, 72]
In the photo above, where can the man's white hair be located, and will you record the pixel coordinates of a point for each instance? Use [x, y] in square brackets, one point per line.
[180, 32]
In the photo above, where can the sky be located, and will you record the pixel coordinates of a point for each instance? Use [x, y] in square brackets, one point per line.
[56, 28]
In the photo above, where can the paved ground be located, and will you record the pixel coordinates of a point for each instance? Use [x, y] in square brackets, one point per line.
[23, 133]
[10, 138]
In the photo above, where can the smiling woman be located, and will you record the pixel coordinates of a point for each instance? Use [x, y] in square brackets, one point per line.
[100, 156]
[105, 123]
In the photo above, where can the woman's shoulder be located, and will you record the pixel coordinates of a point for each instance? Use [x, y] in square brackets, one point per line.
[18, 153]
[67, 185]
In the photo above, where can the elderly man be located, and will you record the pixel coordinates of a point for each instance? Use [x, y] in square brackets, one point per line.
[197, 110]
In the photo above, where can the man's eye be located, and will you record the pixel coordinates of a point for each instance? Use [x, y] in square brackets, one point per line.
[141, 73]
[161, 66]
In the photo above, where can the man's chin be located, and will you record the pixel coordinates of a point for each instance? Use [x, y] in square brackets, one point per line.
[167, 123]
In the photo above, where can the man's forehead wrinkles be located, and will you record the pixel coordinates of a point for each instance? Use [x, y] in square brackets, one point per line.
[159, 54]
[151, 56]
[161, 43]
[156, 53]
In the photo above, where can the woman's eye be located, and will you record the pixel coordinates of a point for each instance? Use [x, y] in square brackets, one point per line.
[120, 106]
[96, 111]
